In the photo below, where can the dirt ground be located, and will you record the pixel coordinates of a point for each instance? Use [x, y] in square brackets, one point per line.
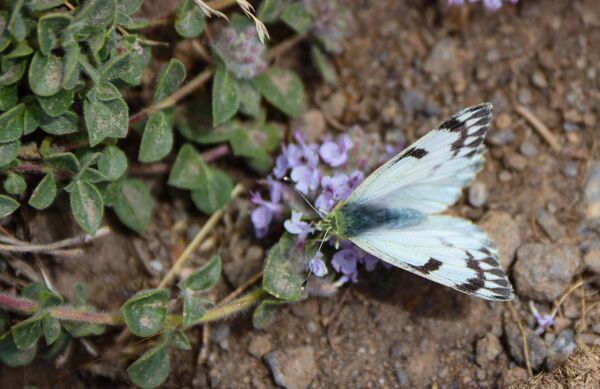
[406, 66]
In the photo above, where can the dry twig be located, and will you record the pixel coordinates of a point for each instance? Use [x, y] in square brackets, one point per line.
[539, 126]
[516, 317]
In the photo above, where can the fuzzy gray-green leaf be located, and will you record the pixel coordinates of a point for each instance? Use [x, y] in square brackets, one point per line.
[214, 190]
[57, 104]
[12, 123]
[44, 193]
[157, 139]
[106, 119]
[152, 368]
[169, 80]
[187, 169]
[9, 152]
[282, 88]
[10, 354]
[145, 312]
[49, 29]
[189, 19]
[204, 278]
[45, 74]
[87, 206]
[281, 278]
[133, 204]
[225, 96]
[112, 163]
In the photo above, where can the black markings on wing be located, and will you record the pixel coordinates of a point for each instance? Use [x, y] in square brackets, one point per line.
[491, 278]
[430, 266]
[471, 125]
[415, 152]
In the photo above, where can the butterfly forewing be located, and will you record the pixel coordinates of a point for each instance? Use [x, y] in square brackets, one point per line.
[390, 214]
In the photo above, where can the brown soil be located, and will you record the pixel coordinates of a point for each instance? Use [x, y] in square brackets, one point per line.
[540, 54]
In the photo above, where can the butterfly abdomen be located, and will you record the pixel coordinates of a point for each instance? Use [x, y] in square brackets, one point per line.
[354, 218]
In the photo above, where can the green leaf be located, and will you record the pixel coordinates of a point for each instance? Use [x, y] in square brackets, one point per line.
[57, 104]
[87, 206]
[64, 162]
[249, 99]
[11, 123]
[225, 96]
[187, 169]
[38, 292]
[79, 294]
[51, 328]
[8, 97]
[92, 175]
[57, 347]
[49, 29]
[129, 7]
[169, 80]
[97, 13]
[11, 356]
[45, 74]
[43, 5]
[82, 330]
[189, 19]
[140, 58]
[12, 71]
[72, 69]
[106, 90]
[14, 184]
[9, 152]
[26, 333]
[21, 49]
[298, 18]
[281, 278]
[270, 10]
[152, 368]
[264, 313]
[204, 278]
[194, 308]
[7, 205]
[180, 341]
[133, 204]
[116, 66]
[282, 88]
[16, 23]
[145, 312]
[157, 139]
[112, 163]
[214, 190]
[44, 193]
[254, 142]
[324, 65]
[105, 119]
[67, 123]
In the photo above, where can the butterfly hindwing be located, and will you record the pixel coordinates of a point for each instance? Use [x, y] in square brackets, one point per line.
[448, 250]
[429, 175]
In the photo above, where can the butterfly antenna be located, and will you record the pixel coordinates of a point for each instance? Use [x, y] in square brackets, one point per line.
[318, 250]
[291, 183]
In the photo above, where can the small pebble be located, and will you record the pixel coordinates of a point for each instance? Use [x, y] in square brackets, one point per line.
[528, 149]
[592, 193]
[537, 348]
[539, 80]
[293, 368]
[549, 224]
[478, 194]
[516, 162]
[259, 346]
[570, 169]
[504, 121]
[401, 377]
[501, 138]
[560, 350]
[544, 271]
[487, 349]
[591, 260]
[504, 176]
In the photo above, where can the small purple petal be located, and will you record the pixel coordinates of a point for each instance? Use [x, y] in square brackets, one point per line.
[305, 178]
[345, 261]
[261, 218]
[333, 154]
[317, 265]
[296, 226]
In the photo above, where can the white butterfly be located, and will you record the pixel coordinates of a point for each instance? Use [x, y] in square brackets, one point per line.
[393, 213]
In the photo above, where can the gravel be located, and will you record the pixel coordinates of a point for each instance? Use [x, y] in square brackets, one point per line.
[592, 194]
[537, 347]
[543, 271]
[504, 231]
[478, 194]
[259, 346]
[561, 348]
[549, 224]
[487, 349]
[292, 368]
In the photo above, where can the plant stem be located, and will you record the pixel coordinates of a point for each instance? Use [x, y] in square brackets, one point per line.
[28, 308]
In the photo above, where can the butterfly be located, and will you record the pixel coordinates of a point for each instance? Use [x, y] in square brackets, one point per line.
[394, 213]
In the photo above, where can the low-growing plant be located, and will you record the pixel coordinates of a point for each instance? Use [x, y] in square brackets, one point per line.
[67, 128]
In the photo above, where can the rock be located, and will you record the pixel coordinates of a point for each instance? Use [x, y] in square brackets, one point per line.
[412, 100]
[591, 260]
[311, 124]
[487, 349]
[443, 57]
[504, 176]
[512, 376]
[539, 80]
[292, 368]
[478, 194]
[401, 377]
[570, 169]
[543, 271]
[220, 335]
[503, 121]
[561, 348]
[259, 346]
[504, 231]
[592, 194]
[398, 350]
[501, 138]
[549, 224]
[515, 162]
[335, 105]
[537, 348]
[528, 149]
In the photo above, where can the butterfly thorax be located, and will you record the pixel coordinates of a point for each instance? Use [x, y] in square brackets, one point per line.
[350, 218]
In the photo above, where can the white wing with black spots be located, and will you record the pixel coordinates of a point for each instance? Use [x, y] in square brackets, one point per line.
[429, 175]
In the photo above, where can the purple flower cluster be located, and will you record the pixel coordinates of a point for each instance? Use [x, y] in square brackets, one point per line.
[544, 321]
[326, 173]
[242, 52]
[492, 5]
[331, 23]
